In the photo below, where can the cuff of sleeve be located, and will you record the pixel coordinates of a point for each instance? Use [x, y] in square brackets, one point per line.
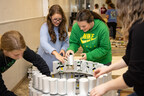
[88, 56]
[71, 49]
[51, 50]
[64, 48]
[48, 74]
[125, 59]
[127, 80]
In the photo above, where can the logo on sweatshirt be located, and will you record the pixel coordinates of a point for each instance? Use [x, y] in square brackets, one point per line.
[87, 38]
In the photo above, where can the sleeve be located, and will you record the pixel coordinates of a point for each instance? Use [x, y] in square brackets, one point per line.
[126, 59]
[104, 46]
[74, 40]
[37, 61]
[44, 42]
[3, 89]
[135, 74]
[65, 43]
[126, 56]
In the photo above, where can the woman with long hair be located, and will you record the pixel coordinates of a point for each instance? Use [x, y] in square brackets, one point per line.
[12, 48]
[91, 33]
[54, 37]
[131, 13]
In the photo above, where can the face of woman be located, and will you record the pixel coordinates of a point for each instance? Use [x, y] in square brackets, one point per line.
[84, 25]
[56, 19]
[15, 54]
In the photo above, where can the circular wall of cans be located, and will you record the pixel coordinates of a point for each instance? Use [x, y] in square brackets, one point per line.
[68, 80]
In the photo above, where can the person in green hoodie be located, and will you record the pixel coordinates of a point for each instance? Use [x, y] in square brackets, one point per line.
[92, 34]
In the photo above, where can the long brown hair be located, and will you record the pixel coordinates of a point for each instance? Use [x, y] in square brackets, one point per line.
[130, 11]
[12, 40]
[62, 27]
[89, 16]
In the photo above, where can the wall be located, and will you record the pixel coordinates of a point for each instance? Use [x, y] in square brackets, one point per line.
[25, 16]
[73, 6]
[12, 10]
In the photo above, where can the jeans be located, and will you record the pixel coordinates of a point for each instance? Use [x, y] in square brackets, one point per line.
[133, 94]
[112, 28]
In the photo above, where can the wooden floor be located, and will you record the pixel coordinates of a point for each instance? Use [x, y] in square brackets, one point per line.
[125, 93]
[22, 90]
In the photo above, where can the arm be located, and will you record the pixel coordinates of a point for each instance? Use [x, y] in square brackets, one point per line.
[37, 61]
[65, 44]
[3, 89]
[110, 85]
[107, 16]
[120, 64]
[44, 39]
[104, 45]
[74, 40]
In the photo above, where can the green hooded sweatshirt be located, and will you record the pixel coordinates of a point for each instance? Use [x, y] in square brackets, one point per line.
[95, 42]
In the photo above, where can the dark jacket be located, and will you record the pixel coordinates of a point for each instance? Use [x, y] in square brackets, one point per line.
[7, 62]
[134, 58]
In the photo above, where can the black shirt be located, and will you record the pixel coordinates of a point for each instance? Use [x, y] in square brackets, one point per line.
[7, 62]
[134, 58]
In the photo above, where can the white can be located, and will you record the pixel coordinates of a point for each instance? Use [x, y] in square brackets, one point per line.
[62, 86]
[83, 87]
[45, 84]
[92, 83]
[40, 81]
[35, 80]
[53, 85]
[71, 59]
[71, 87]
[100, 80]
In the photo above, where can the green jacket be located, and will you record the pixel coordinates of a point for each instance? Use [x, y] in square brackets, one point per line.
[95, 42]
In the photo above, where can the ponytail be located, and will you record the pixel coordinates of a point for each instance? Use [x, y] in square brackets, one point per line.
[89, 16]
[97, 16]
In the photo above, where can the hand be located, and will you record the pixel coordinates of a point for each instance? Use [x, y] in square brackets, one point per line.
[62, 53]
[99, 90]
[68, 52]
[84, 57]
[61, 58]
[100, 71]
[58, 56]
